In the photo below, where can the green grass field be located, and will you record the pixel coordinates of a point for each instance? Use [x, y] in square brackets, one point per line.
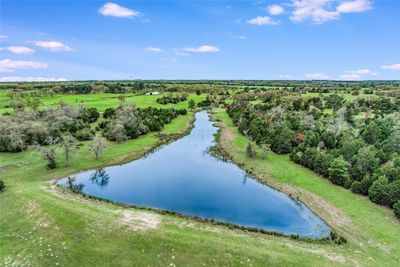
[101, 101]
[41, 225]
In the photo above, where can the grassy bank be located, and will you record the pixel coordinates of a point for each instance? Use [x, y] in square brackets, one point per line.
[373, 231]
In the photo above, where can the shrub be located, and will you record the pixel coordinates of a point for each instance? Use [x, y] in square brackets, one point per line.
[396, 209]
[2, 185]
[109, 113]
[356, 187]
[84, 134]
[338, 172]
[379, 191]
[251, 153]
[394, 192]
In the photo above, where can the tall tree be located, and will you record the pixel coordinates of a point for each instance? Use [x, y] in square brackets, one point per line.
[97, 146]
[338, 172]
[69, 144]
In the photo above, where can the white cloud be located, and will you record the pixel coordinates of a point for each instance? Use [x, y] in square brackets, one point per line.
[354, 6]
[318, 76]
[316, 11]
[3, 36]
[8, 65]
[275, 10]
[260, 21]
[31, 79]
[154, 49]
[202, 49]
[22, 50]
[52, 45]
[319, 11]
[114, 10]
[357, 74]
[395, 67]
[361, 72]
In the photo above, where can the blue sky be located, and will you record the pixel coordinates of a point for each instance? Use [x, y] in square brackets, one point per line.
[292, 39]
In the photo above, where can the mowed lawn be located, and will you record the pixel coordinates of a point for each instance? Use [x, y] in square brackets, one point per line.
[372, 231]
[101, 101]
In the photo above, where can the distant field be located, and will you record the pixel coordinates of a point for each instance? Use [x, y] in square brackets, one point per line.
[348, 97]
[101, 101]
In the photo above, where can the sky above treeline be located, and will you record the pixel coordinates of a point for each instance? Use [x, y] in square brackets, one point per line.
[289, 39]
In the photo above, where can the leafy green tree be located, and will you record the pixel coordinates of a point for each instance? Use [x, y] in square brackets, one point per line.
[379, 191]
[298, 103]
[365, 162]
[329, 139]
[384, 105]
[334, 101]
[109, 113]
[372, 133]
[394, 192]
[389, 170]
[338, 171]
[283, 139]
[392, 143]
[349, 145]
[323, 161]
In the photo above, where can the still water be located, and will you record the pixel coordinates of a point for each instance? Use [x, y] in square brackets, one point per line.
[183, 177]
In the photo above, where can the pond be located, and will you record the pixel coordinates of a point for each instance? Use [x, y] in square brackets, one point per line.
[183, 177]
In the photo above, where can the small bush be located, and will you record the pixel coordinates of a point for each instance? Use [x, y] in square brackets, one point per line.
[356, 187]
[396, 209]
[84, 134]
[2, 185]
[251, 153]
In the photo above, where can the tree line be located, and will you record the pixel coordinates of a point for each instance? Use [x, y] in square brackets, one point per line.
[355, 144]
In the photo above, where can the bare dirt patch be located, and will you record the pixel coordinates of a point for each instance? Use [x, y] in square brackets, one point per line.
[225, 134]
[139, 220]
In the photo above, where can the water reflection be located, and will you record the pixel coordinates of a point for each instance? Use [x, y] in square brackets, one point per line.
[100, 177]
